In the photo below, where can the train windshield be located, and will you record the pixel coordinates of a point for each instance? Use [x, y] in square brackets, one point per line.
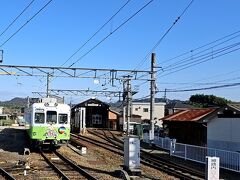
[39, 118]
[62, 118]
[51, 117]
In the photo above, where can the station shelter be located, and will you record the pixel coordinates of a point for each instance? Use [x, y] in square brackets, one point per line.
[93, 113]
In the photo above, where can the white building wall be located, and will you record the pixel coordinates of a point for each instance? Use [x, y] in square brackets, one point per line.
[224, 133]
[143, 109]
[1, 110]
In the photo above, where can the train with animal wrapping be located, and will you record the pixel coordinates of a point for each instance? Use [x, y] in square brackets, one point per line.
[48, 123]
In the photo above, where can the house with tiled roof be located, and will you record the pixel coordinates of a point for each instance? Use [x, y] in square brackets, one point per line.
[212, 127]
[188, 126]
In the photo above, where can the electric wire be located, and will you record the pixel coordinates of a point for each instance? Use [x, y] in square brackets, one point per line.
[96, 32]
[17, 18]
[164, 35]
[201, 57]
[205, 88]
[202, 60]
[26, 23]
[198, 60]
[161, 39]
[106, 37]
[193, 55]
[194, 83]
[202, 46]
[133, 15]
[93, 35]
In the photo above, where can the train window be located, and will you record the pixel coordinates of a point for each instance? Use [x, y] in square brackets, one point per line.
[62, 118]
[39, 118]
[52, 117]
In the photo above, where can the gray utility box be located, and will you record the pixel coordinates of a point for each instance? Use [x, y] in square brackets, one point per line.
[132, 152]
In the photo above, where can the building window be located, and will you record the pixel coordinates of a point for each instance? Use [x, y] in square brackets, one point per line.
[97, 119]
[136, 109]
[145, 109]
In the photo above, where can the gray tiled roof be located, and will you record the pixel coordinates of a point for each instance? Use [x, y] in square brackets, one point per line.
[235, 106]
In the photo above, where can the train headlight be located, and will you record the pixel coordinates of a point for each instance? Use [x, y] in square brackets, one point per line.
[34, 133]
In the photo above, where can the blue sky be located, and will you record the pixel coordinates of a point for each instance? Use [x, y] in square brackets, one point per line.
[60, 29]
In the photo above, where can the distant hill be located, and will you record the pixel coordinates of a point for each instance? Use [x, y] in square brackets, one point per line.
[22, 102]
[15, 102]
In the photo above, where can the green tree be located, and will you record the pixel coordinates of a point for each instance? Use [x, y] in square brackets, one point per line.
[202, 100]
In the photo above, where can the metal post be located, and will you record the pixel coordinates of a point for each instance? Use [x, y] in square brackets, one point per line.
[124, 118]
[129, 101]
[28, 102]
[1, 56]
[48, 85]
[152, 95]
[165, 95]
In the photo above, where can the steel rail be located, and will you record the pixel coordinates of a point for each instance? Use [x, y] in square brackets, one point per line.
[6, 174]
[76, 167]
[160, 162]
[167, 170]
[58, 171]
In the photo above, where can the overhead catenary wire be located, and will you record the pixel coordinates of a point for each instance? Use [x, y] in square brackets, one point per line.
[163, 36]
[161, 39]
[198, 60]
[202, 60]
[205, 88]
[112, 32]
[94, 34]
[195, 83]
[26, 23]
[116, 29]
[220, 41]
[205, 45]
[17, 18]
[192, 56]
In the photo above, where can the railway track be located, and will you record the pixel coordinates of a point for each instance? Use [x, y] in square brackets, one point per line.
[179, 171]
[64, 167]
[6, 175]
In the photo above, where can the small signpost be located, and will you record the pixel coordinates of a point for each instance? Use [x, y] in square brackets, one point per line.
[212, 168]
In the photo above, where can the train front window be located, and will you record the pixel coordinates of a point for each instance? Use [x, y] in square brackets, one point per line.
[62, 118]
[39, 118]
[51, 117]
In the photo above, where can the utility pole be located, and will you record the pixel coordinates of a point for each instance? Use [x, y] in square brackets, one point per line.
[152, 95]
[1, 56]
[48, 85]
[127, 101]
[165, 95]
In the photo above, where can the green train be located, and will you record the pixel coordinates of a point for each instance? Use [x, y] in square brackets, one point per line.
[48, 123]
